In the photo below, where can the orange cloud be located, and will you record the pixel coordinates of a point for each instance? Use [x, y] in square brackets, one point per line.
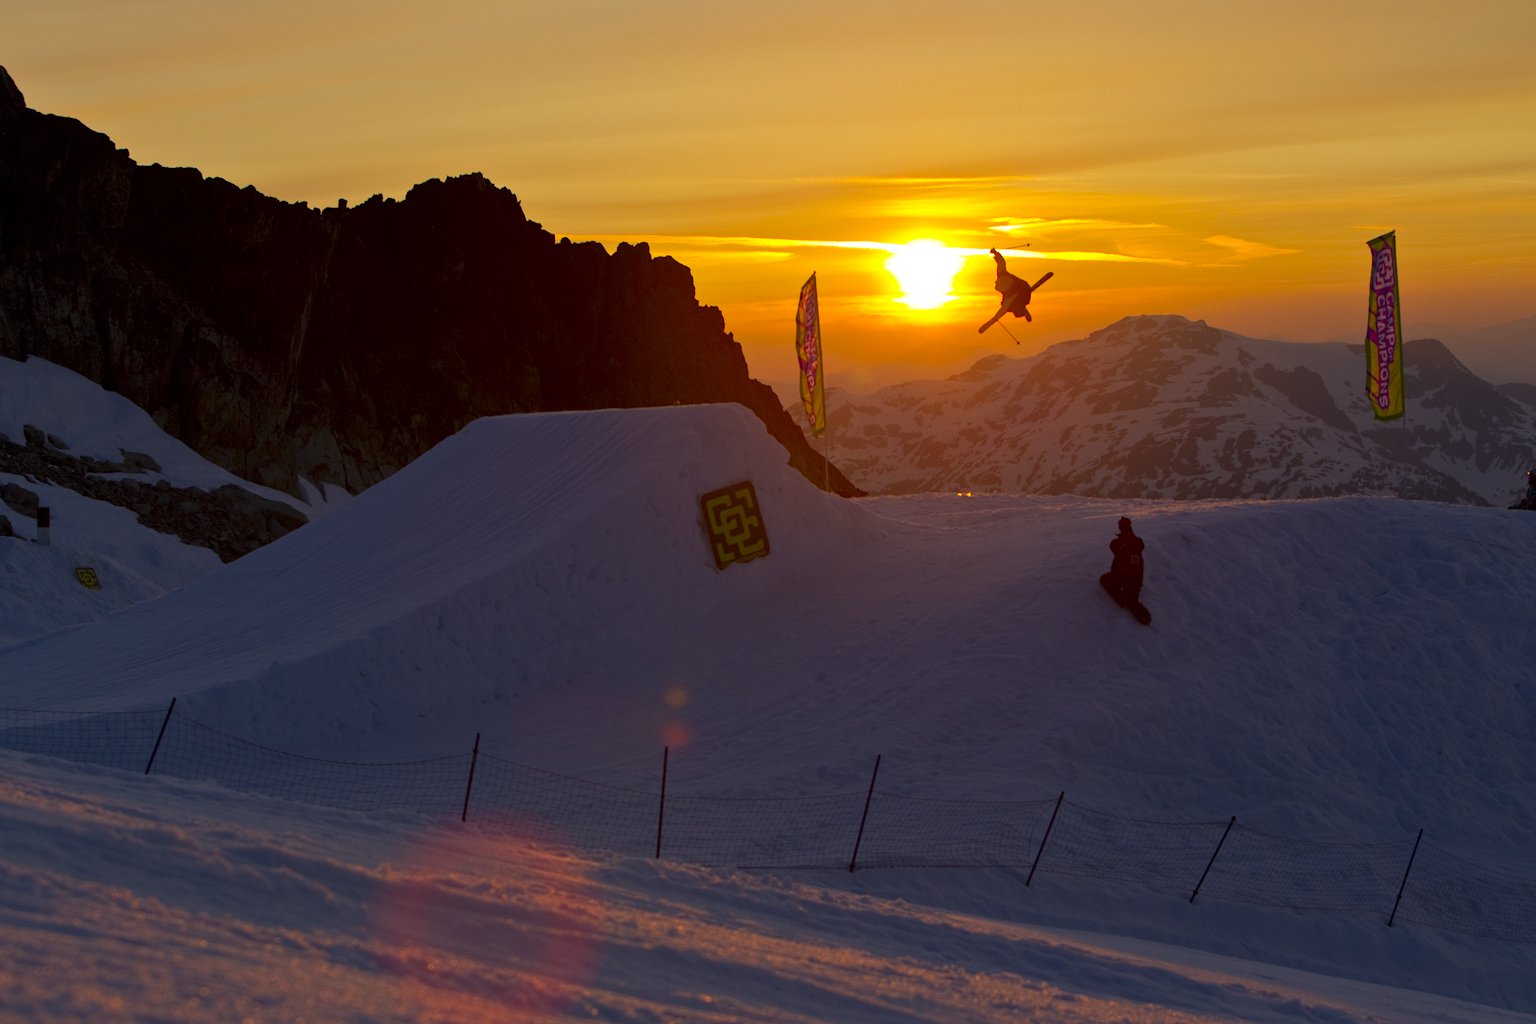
[1243, 249]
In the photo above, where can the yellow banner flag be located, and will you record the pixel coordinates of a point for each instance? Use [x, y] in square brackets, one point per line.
[1384, 331]
[813, 389]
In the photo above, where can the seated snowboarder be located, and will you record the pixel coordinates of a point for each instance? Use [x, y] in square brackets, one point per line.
[1529, 501]
[1123, 581]
[1016, 294]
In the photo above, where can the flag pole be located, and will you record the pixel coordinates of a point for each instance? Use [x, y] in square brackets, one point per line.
[826, 449]
[826, 465]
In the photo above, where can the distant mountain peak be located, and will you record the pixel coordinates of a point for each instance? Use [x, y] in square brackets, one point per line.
[1150, 323]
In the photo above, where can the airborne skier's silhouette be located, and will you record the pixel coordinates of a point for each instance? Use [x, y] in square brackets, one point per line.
[1016, 293]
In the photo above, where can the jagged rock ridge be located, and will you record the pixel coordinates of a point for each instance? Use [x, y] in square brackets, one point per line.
[281, 341]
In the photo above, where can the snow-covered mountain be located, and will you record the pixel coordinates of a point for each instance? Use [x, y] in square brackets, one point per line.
[1165, 407]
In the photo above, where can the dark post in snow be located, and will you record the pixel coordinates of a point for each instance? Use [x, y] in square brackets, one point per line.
[1045, 838]
[44, 524]
[854, 860]
[163, 724]
[661, 810]
[1404, 884]
[1220, 843]
[474, 756]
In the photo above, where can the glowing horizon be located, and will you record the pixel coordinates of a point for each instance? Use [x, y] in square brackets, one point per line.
[1223, 162]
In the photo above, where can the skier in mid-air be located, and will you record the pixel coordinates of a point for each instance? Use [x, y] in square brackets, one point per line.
[1016, 293]
[1123, 581]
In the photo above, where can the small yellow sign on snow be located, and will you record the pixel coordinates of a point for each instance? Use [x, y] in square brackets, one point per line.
[87, 577]
[734, 523]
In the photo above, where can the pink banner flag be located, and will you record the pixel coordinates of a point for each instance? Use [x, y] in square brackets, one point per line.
[813, 389]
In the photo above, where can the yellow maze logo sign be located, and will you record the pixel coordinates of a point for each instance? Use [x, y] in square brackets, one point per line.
[87, 577]
[734, 523]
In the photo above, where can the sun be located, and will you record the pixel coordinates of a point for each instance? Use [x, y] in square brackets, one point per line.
[925, 270]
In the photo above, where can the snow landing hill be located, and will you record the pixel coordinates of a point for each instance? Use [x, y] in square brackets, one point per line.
[1165, 407]
[544, 580]
[1342, 670]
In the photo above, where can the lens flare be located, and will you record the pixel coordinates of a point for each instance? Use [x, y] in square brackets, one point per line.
[449, 897]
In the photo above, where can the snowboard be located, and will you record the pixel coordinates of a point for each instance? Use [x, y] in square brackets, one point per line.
[1130, 604]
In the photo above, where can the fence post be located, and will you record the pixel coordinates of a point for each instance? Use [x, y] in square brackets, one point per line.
[854, 860]
[474, 756]
[1232, 821]
[151, 763]
[661, 810]
[1404, 884]
[1045, 838]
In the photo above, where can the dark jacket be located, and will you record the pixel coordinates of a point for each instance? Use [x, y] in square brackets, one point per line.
[1127, 564]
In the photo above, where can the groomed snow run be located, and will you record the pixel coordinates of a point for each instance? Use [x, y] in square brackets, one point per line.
[1345, 670]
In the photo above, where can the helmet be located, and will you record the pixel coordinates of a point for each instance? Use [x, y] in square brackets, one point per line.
[1125, 524]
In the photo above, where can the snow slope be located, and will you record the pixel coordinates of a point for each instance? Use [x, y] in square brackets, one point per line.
[40, 591]
[102, 424]
[1344, 670]
[534, 567]
[521, 553]
[131, 899]
[133, 564]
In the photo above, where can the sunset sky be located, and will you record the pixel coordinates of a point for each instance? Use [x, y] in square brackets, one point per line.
[1226, 161]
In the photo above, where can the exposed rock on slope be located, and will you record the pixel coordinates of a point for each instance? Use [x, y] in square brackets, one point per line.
[229, 520]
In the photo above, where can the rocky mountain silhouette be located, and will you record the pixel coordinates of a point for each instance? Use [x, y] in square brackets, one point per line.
[1166, 407]
[281, 341]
